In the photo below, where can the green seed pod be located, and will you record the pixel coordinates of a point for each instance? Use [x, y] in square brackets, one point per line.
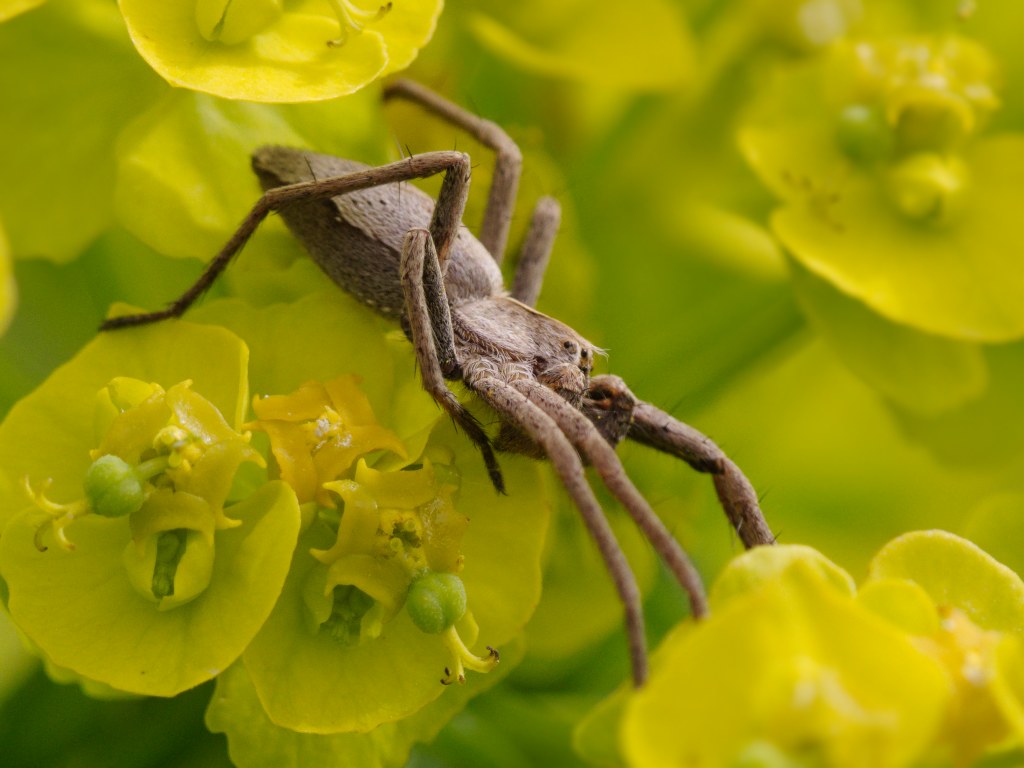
[863, 134]
[436, 601]
[113, 488]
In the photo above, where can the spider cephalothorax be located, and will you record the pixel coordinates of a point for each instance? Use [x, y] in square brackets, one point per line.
[410, 259]
[504, 337]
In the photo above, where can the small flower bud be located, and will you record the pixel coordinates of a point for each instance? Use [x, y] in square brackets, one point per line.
[436, 601]
[113, 488]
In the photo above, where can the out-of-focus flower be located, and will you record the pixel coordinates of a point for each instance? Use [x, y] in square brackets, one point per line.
[893, 190]
[62, 122]
[976, 631]
[922, 666]
[792, 672]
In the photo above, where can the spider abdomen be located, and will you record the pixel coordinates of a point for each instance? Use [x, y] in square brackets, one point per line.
[357, 238]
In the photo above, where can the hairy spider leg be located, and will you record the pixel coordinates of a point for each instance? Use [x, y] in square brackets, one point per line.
[430, 322]
[536, 251]
[653, 427]
[618, 414]
[442, 228]
[501, 197]
[508, 162]
[540, 427]
[586, 438]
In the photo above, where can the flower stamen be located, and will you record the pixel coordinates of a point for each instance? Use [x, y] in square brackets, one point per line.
[352, 18]
[61, 515]
[463, 659]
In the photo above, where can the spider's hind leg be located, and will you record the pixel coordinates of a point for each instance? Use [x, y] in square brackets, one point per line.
[536, 250]
[508, 163]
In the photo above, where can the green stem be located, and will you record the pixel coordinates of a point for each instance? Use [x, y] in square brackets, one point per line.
[152, 467]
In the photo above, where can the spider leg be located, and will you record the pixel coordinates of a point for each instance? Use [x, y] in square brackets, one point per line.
[430, 322]
[657, 429]
[582, 433]
[508, 163]
[443, 226]
[536, 250]
[608, 397]
[532, 420]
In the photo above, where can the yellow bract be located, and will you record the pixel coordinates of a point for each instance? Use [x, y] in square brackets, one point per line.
[395, 527]
[258, 51]
[795, 667]
[235, 21]
[759, 565]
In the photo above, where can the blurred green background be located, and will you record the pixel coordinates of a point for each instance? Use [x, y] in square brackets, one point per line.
[853, 426]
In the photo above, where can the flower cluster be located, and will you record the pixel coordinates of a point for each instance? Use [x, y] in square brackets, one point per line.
[797, 667]
[145, 547]
[895, 174]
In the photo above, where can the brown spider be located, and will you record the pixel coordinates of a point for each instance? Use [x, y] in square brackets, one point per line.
[411, 259]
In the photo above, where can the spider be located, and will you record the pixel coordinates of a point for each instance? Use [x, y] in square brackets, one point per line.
[410, 259]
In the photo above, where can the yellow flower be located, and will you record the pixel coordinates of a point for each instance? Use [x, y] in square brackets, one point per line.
[794, 667]
[318, 432]
[262, 50]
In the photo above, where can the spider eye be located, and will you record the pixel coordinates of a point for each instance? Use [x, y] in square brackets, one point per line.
[584, 353]
[569, 346]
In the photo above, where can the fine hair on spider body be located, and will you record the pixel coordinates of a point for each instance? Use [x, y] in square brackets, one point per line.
[410, 259]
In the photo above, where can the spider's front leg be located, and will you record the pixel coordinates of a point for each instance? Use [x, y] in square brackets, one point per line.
[618, 414]
[653, 427]
[430, 324]
[593, 445]
[541, 427]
